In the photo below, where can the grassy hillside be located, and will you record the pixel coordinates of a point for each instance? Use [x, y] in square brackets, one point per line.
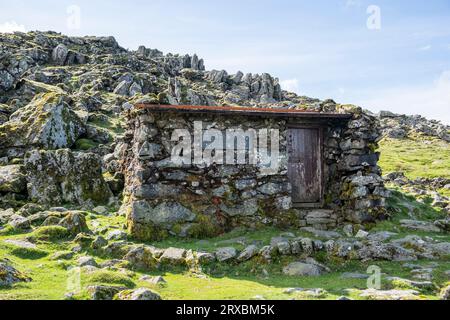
[416, 156]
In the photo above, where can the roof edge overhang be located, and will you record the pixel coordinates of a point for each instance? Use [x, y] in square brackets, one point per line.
[244, 111]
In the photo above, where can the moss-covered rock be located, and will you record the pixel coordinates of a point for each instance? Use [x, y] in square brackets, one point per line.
[47, 122]
[9, 275]
[63, 176]
[12, 179]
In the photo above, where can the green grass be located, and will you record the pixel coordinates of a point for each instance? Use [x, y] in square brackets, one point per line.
[85, 144]
[416, 156]
[221, 281]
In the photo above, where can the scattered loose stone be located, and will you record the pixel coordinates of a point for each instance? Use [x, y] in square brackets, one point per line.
[62, 255]
[343, 298]
[9, 275]
[21, 243]
[417, 225]
[226, 254]
[204, 258]
[381, 236]
[173, 256]
[303, 269]
[100, 210]
[19, 222]
[423, 274]
[361, 234]
[117, 235]
[248, 253]
[87, 261]
[103, 292]
[373, 294]
[445, 293]
[75, 222]
[400, 282]
[158, 280]
[348, 230]
[138, 294]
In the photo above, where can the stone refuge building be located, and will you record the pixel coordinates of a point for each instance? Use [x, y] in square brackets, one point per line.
[322, 170]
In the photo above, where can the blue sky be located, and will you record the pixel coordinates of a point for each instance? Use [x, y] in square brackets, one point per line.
[321, 48]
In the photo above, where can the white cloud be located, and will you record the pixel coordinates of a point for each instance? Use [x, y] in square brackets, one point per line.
[290, 85]
[11, 26]
[431, 101]
[353, 3]
[425, 48]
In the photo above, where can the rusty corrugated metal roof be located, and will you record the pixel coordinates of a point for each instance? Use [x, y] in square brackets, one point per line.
[250, 111]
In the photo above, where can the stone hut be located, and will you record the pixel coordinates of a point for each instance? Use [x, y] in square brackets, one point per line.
[198, 171]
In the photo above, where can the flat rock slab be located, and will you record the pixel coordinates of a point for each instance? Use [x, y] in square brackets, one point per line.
[418, 225]
[141, 294]
[21, 243]
[9, 275]
[173, 256]
[302, 269]
[373, 294]
[226, 254]
[426, 285]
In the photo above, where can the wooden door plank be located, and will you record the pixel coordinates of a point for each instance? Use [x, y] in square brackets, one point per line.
[305, 165]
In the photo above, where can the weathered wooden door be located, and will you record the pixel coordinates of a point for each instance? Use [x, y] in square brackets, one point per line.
[305, 165]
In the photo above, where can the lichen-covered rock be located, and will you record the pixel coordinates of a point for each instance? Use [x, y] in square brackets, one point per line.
[142, 257]
[56, 177]
[173, 256]
[47, 122]
[87, 261]
[9, 275]
[5, 215]
[417, 225]
[74, 222]
[373, 294]
[226, 254]
[19, 222]
[445, 293]
[140, 294]
[12, 179]
[99, 292]
[248, 253]
[303, 269]
[59, 54]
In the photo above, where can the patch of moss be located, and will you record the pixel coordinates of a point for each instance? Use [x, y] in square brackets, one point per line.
[105, 277]
[85, 144]
[50, 233]
[25, 253]
[204, 228]
[146, 232]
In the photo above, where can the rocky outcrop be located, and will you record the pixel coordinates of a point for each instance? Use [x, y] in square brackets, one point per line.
[55, 177]
[47, 122]
[398, 126]
[9, 275]
[12, 179]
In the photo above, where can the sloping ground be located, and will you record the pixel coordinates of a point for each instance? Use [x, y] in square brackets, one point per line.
[416, 156]
[47, 255]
